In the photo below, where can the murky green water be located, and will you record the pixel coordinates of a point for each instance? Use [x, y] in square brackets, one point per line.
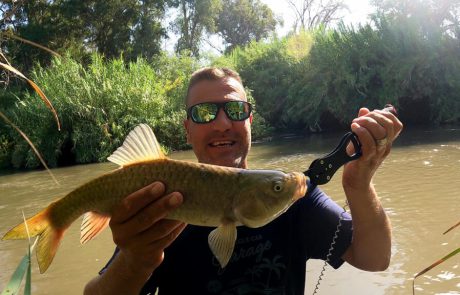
[419, 185]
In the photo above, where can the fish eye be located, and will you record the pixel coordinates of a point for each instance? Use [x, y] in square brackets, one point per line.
[277, 187]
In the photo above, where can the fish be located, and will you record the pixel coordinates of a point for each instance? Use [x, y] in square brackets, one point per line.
[213, 196]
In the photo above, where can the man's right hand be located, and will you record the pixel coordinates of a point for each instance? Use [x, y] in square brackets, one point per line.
[141, 233]
[140, 230]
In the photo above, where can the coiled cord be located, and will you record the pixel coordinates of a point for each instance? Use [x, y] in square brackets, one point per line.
[331, 248]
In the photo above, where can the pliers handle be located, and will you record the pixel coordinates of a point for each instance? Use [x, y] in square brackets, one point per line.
[322, 169]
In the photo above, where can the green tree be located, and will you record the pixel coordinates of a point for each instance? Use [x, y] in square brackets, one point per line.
[243, 21]
[430, 15]
[43, 22]
[129, 27]
[194, 18]
[267, 70]
[149, 31]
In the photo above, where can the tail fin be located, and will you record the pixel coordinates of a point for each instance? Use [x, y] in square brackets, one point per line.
[50, 237]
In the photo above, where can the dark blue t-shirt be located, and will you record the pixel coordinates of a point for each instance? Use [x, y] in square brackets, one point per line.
[266, 260]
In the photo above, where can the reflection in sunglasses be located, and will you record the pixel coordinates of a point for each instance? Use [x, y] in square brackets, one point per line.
[207, 111]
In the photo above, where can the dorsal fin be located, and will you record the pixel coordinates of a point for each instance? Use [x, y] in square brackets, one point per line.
[140, 145]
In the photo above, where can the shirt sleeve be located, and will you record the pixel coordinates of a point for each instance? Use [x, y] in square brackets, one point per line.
[325, 227]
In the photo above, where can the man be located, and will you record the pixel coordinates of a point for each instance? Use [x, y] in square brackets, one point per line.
[270, 259]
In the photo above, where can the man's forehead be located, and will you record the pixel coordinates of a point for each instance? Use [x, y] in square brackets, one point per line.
[208, 90]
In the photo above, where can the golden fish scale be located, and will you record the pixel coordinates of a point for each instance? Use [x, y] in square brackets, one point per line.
[199, 183]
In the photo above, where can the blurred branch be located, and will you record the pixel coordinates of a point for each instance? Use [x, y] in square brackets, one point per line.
[312, 13]
[12, 36]
[30, 144]
[36, 88]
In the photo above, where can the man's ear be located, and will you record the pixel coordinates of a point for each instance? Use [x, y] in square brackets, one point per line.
[250, 119]
[186, 126]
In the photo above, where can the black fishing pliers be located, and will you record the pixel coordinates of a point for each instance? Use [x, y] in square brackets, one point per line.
[322, 169]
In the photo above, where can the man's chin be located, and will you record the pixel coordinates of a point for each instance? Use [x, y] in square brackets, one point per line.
[227, 162]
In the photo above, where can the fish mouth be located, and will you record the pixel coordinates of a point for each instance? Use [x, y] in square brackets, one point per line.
[222, 143]
[301, 188]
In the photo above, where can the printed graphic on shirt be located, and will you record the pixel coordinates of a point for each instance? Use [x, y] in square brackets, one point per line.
[263, 272]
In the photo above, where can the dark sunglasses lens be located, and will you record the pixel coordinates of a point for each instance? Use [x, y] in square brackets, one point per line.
[204, 112]
[237, 110]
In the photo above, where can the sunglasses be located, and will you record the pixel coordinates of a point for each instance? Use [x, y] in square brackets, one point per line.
[236, 110]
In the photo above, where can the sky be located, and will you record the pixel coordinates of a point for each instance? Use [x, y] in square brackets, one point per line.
[358, 12]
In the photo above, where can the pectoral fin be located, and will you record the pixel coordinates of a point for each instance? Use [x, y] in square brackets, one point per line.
[222, 242]
[93, 223]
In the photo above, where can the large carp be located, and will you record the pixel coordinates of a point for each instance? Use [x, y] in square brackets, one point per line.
[213, 196]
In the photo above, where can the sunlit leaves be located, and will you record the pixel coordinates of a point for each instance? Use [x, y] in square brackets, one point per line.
[243, 21]
[99, 104]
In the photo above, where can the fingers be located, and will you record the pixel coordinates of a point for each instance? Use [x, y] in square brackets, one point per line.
[165, 233]
[381, 124]
[139, 227]
[136, 201]
[157, 237]
[377, 124]
[150, 214]
[363, 111]
[145, 251]
[376, 132]
[368, 145]
[396, 124]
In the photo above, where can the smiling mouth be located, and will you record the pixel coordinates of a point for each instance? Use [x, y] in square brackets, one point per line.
[226, 143]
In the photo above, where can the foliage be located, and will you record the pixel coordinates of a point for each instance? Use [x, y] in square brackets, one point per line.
[431, 16]
[129, 27]
[266, 70]
[311, 81]
[195, 17]
[299, 45]
[98, 106]
[24, 268]
[243, 21]
[318, 80]
[370, 66]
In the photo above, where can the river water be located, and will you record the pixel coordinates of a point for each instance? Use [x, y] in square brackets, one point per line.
[419, 186]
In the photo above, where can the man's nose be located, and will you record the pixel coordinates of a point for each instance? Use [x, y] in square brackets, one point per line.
[222, 122]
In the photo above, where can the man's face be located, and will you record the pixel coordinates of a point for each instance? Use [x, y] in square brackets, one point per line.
[222, 141]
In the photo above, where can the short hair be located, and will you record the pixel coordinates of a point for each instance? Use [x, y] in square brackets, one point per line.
[211, 74]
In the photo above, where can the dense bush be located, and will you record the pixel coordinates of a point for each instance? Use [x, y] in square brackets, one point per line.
[98, 105]
[307, 82]
[341, 70]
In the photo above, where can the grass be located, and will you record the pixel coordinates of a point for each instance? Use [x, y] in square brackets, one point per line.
[23, 269]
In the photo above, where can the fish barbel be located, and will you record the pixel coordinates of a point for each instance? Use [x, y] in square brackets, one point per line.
[217, 196]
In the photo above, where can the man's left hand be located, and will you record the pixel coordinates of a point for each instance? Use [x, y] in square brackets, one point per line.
[376, 131]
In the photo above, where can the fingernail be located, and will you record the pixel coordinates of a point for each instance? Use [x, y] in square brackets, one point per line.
[355, 126]
[175, 200]
[156, 188]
